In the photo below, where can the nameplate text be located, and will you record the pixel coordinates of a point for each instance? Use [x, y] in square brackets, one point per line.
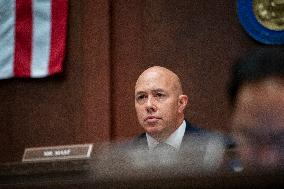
[54, 153]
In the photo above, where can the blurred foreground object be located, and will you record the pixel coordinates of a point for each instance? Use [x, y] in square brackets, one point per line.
[115, 167]
[256, 92]
[200, 155]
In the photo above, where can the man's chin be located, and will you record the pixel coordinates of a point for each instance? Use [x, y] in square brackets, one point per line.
[153, 129]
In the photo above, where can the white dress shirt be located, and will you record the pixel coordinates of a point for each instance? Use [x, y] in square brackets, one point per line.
[174, 139]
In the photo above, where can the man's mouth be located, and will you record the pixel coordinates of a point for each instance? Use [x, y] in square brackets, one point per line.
[151, 119]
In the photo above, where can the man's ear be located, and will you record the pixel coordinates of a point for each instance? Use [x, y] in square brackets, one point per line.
[182, 102]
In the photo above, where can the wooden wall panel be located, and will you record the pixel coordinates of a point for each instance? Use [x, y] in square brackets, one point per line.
[96, 72]
[127, 61]
[199, 40]
[72, 107]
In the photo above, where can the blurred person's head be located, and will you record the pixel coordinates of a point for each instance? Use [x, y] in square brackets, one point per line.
[159, 102]
[256, 92]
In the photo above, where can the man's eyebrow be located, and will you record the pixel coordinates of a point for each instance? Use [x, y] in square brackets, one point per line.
[154, 90]
[139, 92]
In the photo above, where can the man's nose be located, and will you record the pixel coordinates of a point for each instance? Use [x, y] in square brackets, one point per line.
[151, 105]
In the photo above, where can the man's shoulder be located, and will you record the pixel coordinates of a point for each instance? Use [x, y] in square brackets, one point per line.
[192, 129]
[195, 131]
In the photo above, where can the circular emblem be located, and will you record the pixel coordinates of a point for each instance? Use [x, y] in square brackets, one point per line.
[263, 19]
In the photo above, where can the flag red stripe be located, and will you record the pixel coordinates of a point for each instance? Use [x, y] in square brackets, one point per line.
[58, 34]
[23, 38]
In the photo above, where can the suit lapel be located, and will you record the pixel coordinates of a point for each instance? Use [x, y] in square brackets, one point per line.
[141, 141]
[191, 131]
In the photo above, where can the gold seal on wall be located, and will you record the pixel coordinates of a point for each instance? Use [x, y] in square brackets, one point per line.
[270, 13]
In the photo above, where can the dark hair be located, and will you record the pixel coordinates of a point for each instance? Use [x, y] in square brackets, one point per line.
[256, 66]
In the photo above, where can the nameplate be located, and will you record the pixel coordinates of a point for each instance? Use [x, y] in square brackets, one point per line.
[54, 153]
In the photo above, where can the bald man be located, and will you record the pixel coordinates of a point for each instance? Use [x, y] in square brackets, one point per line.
[160, 105]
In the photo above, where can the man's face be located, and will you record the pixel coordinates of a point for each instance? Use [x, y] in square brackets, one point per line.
[258, 123]
[158, 104]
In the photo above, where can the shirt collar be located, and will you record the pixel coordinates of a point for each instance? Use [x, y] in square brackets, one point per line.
[174, 139]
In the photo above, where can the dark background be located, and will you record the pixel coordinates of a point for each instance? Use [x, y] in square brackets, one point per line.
[109, 44]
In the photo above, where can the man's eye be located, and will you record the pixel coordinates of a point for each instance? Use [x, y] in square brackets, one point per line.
[160, 95]
[140, 97]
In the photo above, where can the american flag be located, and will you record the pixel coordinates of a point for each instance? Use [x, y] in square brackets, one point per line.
[32, 37]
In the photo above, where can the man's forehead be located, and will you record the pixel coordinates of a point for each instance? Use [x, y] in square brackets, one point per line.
[261, 105]
[267, 91]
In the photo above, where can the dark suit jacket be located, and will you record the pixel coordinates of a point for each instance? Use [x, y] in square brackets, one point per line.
[191, 133]
[194, 145]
